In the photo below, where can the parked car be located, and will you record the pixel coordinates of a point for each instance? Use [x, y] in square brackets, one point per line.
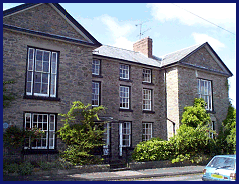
[220, 168]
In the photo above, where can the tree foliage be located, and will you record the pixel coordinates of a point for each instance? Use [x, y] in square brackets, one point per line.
[227, 135]
[196, 115]
[81, 134]
[192, 141]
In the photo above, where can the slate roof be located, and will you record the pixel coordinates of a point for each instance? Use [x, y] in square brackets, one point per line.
[166, 60]
[137, 57]
[126, 55]
[179, 55]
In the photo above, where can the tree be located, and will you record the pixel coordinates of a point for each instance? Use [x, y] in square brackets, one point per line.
[192, 138]
[81, 134]
[196, 115]
[227, 135]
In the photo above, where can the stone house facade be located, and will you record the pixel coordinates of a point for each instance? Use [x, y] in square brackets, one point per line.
[54, 61]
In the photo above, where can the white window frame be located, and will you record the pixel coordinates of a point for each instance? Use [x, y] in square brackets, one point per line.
[124, 97]
[124, 71]
[95, 94]
[147, 99]
[96, 67]
[212, 125]
[34, 70]
[147, 75]
[106, 139]
[147, 131]
[124, 130]
[49, 136]
[205, 92]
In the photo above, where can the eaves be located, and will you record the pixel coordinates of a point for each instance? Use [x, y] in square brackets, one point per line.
[47, 35]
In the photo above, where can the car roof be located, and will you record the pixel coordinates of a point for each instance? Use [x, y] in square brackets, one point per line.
[229, 156]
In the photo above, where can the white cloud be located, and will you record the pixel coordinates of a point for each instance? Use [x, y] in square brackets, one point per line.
[223, 14]
[110, 30]
[201, 38]
[124, 43]
[116, 28]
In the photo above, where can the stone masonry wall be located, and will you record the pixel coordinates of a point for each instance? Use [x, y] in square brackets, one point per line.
[74, 82]
[172, 100]
[43, 18]
[110, 99]
[188, 91]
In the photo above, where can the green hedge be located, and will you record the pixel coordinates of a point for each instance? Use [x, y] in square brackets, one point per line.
[153, 150]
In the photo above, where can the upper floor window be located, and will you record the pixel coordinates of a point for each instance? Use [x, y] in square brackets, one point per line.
[205, 92]
[124, 71]
[95, 94]
[147, 75]
[47, 123]
[124, 97]
[41, 73]
[147, 99]
[96, 67]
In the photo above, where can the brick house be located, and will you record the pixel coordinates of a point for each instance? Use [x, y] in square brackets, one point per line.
[55, 61]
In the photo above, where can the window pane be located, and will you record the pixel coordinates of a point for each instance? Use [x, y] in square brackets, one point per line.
[30, 65]
[46, 67]
[29, 87]
[45, 78]
[46, 56]
[37, 77]
[44, 88]
[37, 88]
[53, 85]
[39, 55]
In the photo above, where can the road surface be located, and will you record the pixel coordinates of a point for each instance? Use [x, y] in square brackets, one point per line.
[188, 177]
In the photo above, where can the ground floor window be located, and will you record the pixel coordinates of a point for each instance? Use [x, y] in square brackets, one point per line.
[47, 123]
[147, 131]
[124, 135]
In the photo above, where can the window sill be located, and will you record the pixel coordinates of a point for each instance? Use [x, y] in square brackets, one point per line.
[148, 83]
[125, 110]
[211, 112]
[97, 76]
[149, 112]
[126, 80]
[40, 151]
[41, 98]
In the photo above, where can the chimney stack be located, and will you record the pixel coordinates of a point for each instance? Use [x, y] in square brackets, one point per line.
[145, 46]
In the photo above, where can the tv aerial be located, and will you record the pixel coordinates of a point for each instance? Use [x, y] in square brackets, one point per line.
[140, 29]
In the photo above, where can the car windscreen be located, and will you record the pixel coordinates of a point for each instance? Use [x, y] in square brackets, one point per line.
[222, 163]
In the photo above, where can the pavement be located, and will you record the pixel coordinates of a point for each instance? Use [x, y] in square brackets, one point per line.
[108, 176]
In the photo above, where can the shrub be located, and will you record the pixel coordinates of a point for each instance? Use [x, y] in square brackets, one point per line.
[81, 134]
[154, 149]
[25, 168]
[12, 168]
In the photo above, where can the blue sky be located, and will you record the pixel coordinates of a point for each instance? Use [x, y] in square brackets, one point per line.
[170, 27]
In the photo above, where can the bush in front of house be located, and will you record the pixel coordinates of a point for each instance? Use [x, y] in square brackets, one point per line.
[191, 143]
[153, 150]
[81, 134]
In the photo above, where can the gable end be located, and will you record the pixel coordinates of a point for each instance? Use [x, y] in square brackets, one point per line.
[52, 26]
